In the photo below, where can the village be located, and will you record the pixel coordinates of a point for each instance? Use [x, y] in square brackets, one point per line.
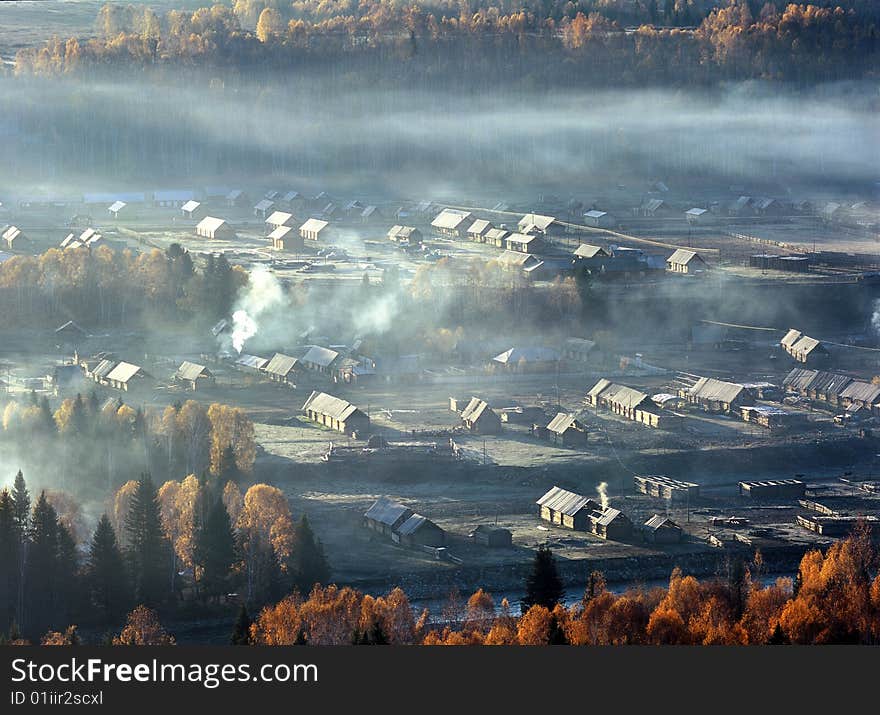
[637, 449]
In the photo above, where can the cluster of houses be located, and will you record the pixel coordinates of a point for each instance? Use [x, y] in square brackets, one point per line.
[400, 524]
[108, 371]
[570, 510]
[625, 402]
[856, 397]
[338, 364]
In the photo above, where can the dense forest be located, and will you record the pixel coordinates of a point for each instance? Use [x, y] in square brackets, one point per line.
[183, 545]
[551, 43]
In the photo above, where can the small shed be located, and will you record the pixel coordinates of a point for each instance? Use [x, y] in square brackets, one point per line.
[192, 375]
[281, 368]
[612, 524]
[336, 413]
[479, 418]
[587, 251]
[237, 199]
[661, 530]
[420, 531]
[565, 428]
[492, 536]
[696, 215]
[15, 240]
[314, 229]
[192, 210]
[123, 376]
[404, 234]
[280, 219]
[385, 516]
[478, 230]
[285, 238]
[116, 208]
[216, 228]
[263, 208]
[598, 219]
[452, 223]
[564, 508]
[686, 262]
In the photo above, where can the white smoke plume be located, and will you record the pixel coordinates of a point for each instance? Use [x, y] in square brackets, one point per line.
[263, 295]
[875, 318]
[602, 491]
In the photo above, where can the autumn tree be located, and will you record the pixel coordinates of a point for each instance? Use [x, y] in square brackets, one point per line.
[143, 628]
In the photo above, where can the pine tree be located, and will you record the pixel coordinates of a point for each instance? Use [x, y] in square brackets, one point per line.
[47, 421]
[214, 549]
[308, 565]
[68, 593]
[105, 573]
[9, 561]
[42, 586]
[241, 633]
[21, 511]
[543, 585]
[148, 552]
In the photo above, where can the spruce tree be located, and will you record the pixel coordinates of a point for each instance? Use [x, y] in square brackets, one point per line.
[241, 633]
[42, 568]
[214, 550]
[9, 561]
[148, 551]
[68, 594]
[308, 565]
[543, 585]
[21, 511]
[105, 573]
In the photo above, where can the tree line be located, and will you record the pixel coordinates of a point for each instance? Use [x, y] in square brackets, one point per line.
[187, 542]
[588, 42]
[834, 599]
[105, 286]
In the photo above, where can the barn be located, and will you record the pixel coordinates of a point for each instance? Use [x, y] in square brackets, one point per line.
[544, 225]
[611, 524]
[122, 376]
[564, 508]
[14, 239]
[116, 208]
[217, 228]
[263, 208]
[385, 516]
[452, 223]
[478, 230]
[319, 359]
[336, 413]
[661, 530]
[587, 251]
[686, 262]
[192, 210]
[418, 530]
[479, 418]
[285, 238]
[717, 395]
[192, 375]
[404, 234]
[524, 243]
[567, 430]
[314, 229]
[280, 219]
[599, 219]
[281, 368]
[492, 536]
